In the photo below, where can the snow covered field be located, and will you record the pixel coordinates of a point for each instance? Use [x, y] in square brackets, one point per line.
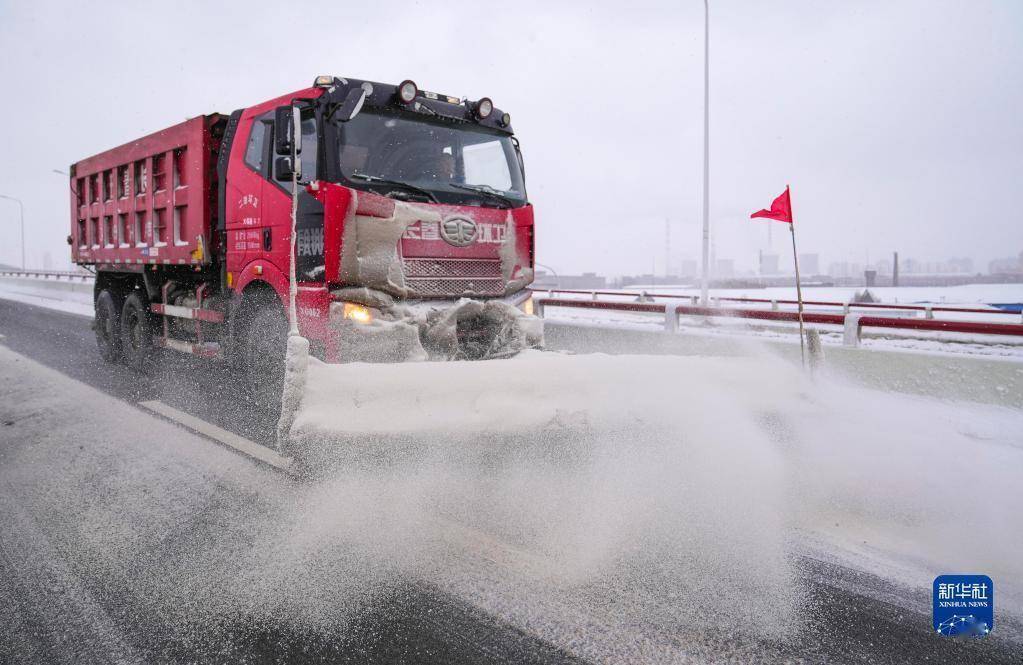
[967, 295]
[978, 296]
[943, 343]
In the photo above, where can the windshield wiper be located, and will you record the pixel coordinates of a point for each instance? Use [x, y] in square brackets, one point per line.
[396, 183]
[486, 190]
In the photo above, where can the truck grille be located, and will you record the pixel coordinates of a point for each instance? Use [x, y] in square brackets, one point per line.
[430, 278]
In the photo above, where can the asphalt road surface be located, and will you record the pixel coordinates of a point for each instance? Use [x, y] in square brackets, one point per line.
[117, 546]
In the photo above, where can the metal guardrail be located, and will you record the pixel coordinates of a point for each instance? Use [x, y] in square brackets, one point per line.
[852, 323]
[875, 305]
[845, 306]
[69, 275]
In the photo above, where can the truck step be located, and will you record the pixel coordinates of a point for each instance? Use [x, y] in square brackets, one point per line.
[195, 313]
[203, 349]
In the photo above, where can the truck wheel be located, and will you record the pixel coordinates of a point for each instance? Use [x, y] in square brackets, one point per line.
[108, 326]
[264, 347]
[136, 333]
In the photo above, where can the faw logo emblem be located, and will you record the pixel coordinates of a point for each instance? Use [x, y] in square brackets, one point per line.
[457, 231]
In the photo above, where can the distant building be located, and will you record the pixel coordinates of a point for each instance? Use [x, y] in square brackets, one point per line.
[845, 269]
[585, 281]
[651, 280]
[952, 266]
[809, 264]
[768, 264]
[1011, 265]
[544, 280]
[963, 264]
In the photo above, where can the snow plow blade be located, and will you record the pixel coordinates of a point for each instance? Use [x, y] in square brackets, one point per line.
[534, 404]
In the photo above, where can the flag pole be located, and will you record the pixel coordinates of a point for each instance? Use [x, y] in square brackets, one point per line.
[799, 289]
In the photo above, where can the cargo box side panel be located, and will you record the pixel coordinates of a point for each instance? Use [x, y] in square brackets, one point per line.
[148, 201]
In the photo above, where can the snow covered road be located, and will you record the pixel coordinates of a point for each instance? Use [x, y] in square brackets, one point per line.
[138, 541]
[128, 539]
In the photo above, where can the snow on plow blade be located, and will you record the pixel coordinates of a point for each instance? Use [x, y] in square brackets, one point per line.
[537, 403]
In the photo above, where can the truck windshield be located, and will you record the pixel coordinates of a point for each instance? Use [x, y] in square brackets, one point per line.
[453, 162]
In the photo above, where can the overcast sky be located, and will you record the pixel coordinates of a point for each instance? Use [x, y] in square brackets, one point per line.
[897, 123]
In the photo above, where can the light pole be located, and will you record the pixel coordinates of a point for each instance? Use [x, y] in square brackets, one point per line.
[65, 174]
[557, 280]
[706, 153]
[21, 208]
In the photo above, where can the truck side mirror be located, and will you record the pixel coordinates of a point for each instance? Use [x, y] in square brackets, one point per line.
[352, 104]
[283, 169]
[284, 130]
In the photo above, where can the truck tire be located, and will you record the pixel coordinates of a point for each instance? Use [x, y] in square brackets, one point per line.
[108, 325]
[136, 333]
[263, 348]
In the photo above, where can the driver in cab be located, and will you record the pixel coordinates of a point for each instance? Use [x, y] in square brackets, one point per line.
[441, 167]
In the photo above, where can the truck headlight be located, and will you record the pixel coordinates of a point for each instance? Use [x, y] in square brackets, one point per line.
[407, 91]
[357, 313]
[484, 108]
[527, 306]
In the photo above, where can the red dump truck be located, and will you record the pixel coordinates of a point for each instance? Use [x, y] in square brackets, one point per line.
[414, 236]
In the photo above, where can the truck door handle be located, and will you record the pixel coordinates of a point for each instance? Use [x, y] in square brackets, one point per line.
[267, 241]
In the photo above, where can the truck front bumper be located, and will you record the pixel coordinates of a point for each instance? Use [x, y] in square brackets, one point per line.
[370, 326]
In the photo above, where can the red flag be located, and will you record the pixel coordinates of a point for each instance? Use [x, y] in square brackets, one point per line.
[781, 209]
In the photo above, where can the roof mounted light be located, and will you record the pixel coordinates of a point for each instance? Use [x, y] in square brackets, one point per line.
[484, 108]
[407, 91]
[505, 119]
[323, 81]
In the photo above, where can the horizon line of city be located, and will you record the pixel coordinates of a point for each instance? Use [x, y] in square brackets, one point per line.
[772, 267]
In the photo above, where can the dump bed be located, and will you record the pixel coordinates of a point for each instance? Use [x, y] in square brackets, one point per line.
[148, 201]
